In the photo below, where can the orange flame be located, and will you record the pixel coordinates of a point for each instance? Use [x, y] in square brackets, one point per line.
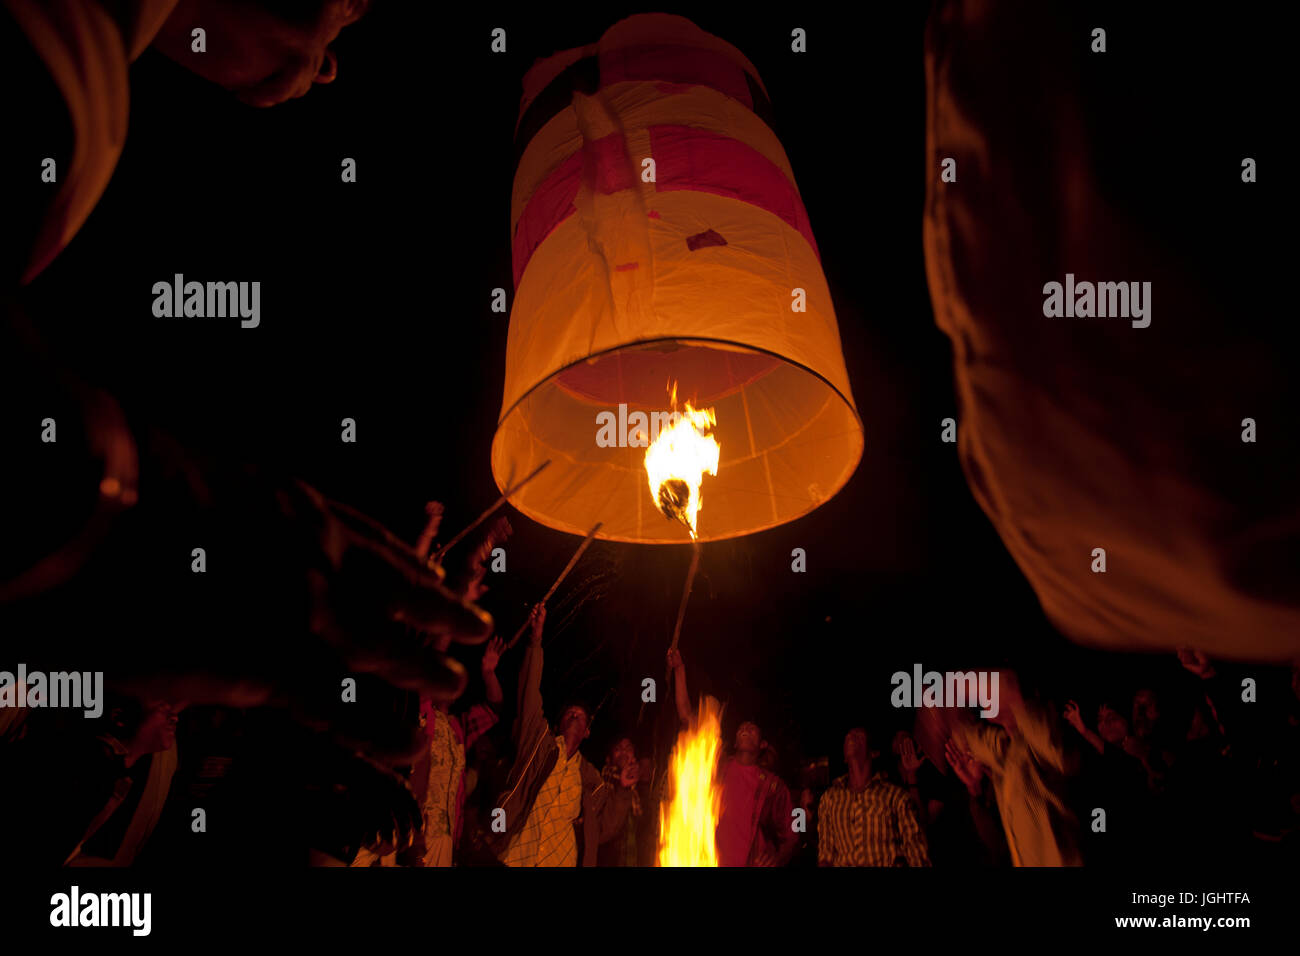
[677, 461]
[688, 825]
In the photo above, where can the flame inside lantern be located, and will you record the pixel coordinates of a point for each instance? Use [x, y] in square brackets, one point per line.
[677, 461]
[688, 824]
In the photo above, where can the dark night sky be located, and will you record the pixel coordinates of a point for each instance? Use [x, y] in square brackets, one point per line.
[375, 306]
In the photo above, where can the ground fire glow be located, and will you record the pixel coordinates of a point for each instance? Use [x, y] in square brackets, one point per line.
[688, 823]
[677, 461]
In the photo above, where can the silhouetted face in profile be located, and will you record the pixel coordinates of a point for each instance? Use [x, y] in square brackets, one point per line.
[264, 52]
[158, 729]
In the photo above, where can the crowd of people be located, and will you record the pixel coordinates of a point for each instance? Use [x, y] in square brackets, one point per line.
[1206, 774]
[1193, 771]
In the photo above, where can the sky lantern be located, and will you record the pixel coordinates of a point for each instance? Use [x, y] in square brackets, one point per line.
[662, 253]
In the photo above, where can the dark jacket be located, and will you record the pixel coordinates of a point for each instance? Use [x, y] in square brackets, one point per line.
[535, 756]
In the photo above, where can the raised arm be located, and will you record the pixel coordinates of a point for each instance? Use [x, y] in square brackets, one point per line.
[680, 696]
[913, 837]
[1223, 706]
[619, 802]
[909, 765]
[1037, 725]
[530, 672]
[488, 668]
[1075, 720]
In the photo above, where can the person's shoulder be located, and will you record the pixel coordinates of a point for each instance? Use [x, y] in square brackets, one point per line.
[890, 789]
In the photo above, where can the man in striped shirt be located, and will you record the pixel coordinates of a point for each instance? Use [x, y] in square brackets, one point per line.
[864, 820]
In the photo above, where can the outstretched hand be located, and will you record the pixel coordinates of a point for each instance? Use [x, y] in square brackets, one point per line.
[629, 774]
[1073, 716]
[336, 594]
[538, 619]
[968, 769]
[909, 761]
[1196, 662]
[492, 654]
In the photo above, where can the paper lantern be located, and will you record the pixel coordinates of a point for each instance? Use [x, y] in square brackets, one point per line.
[659, 238]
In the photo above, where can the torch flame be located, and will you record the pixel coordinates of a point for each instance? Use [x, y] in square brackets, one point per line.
[677, 461]
[688, 825]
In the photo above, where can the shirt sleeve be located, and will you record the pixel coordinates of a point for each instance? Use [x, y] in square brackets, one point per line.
[614, 812]
[825, 841]
[530, 689]
[1038, 729]
[914, 845]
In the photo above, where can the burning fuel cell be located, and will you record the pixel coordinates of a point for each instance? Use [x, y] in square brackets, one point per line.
[659, 236]
[677, 461]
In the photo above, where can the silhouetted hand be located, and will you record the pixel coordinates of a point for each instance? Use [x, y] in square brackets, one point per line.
[968, 769]
[538, 619]
[360, 805]
[629, 774]
[492, 654]
[1195, 662]
[369, 607]
[909, 761]
[1073, 717]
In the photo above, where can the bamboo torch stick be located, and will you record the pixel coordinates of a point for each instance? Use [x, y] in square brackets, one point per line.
[436, 557]
[686, 593]
[681, 612]
[586, 542]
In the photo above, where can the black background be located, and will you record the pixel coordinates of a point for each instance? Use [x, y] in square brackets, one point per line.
[375, 306]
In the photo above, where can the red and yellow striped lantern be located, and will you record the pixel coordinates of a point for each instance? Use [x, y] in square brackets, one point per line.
[659, 238]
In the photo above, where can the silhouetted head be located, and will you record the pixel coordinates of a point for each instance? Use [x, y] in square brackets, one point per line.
[1146, 713]
[575, 721]
[749, 738]
[857, 745]
[623, 752]
[1112, 727]
[145, 726]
